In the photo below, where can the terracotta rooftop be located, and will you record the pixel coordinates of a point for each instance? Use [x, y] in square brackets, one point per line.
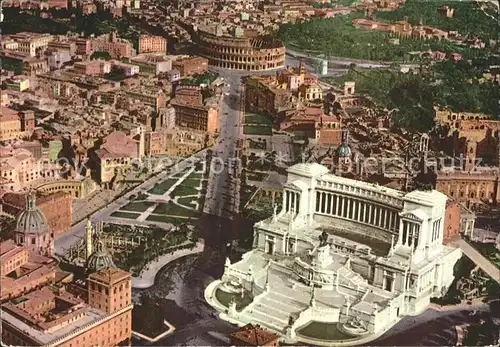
[109, 275]
[118, 144]
[8, 249]
[35, 308]
[329, 118]
[32, 267]
[254, 335]
[18, 200]
[8, 114]
[14, 158]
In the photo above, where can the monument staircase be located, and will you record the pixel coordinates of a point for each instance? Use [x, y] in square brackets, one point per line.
[273, 308]
[346, 274]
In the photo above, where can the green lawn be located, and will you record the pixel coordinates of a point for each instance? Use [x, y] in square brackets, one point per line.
[162, 187]
[196, 80]
[139, 206]
[196, 175]
[191, 182]
[187, 201]
[165, 219]
[182, 190]
[174, 210]
[128, 215]
[323, 331]
[257, 130]
[253, 118]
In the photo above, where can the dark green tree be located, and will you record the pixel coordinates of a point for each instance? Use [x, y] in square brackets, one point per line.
[100, 55]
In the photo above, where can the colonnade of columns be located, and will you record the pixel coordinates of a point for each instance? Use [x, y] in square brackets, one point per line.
[426, 280]
[357, 210]
[388, 281]
[410, 235]
[292, 201]
[436, 230]
[236, 65]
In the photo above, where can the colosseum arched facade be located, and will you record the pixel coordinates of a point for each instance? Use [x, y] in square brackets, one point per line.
[245, 54]
[79, 189]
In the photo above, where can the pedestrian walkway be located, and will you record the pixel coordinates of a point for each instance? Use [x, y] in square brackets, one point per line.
[146, 213]
[147, 277]
[474, 255]
[176, 202]
[179, 181]
[170, 330]
[461, 306]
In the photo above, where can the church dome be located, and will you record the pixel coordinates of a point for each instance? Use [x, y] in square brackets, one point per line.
[99, 259]
[344, 151]
[31, 220]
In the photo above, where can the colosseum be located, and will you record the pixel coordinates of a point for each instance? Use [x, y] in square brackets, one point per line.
[259, 53]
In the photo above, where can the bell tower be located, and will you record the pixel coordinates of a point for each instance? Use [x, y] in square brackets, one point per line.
[302, 72]
[470, 155]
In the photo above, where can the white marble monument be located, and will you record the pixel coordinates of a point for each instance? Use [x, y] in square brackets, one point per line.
[344, 252]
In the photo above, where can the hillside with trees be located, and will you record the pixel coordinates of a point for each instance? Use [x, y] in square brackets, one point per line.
[337, 37]
[412, 96]
[468, 19]
[62, 21]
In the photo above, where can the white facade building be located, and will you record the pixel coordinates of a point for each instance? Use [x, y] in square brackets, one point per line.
[128, 69]
[345, 252]
[486, 235]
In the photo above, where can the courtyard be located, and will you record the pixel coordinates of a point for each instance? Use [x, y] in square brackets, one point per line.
[257, 130]
[257, 118]
[257, 124]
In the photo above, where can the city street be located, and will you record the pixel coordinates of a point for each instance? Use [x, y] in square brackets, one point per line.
[223, 188]
[431, 328]
[184, 283]
[336, 61]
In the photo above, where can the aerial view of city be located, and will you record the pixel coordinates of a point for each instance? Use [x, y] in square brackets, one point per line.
[249, 173]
